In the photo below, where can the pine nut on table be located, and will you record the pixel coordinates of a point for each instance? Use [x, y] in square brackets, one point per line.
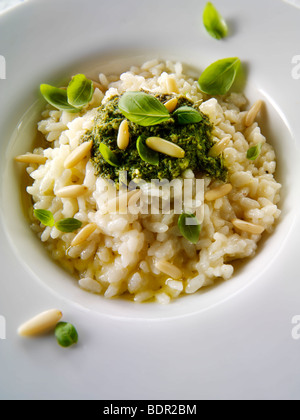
[41, 323]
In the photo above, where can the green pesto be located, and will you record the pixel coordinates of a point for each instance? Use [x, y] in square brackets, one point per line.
[194, 138]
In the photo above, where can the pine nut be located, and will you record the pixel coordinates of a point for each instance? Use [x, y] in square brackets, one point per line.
[31, 158]
[171, 85]
[169, 269]
[219, 147]
[247, 226]
[41, 323]
[123, 135]
[71, 191]
[165, 146]
[218, 192]
[252, 113]
[171, 104]
[83, 234]
[78, 154]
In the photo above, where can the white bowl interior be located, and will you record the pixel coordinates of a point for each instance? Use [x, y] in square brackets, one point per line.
[32, 255]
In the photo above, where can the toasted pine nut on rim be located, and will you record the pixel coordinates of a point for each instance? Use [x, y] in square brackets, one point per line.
[41, 323]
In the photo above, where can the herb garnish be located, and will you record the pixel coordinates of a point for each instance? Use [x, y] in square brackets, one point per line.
[146, 154]
[78, 94]
[143, 109]
[66, 334]
[189, 227]
[80, 91]
[44, 216]
[218, 78]
[108, 155]
[254, 151]
[65, 225]
[68, 225]
[57, 97]
[187, 115]
[214, 22]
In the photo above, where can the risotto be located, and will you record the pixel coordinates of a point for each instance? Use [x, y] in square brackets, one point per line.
[121, 249]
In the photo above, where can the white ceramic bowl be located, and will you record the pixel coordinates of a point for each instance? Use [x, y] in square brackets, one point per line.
[58, 40]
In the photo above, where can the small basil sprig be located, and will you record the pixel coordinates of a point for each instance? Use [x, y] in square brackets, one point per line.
[57, 97]
[254, 151]
[65, 225]
[44, 216]
[187, 115]
[143, 109]
[66, 334]
[78, 94]
[146, 154]
[80, 91]
[109, 156]
[189, 227]
[68, 225]
[214, 22]
[218, 78]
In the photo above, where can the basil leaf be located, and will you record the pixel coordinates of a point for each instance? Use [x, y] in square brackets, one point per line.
[143, 109]
[189, 227]
[214, 22]
[254, 151]
[66, 334]
[109, 156]
[68, 225]
[146, 154]
[187, 115]
[44, 216]
[57, 98]
[218, 78]
[80, 91]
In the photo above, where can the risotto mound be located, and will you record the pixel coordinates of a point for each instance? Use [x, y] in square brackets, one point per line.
[144, 255]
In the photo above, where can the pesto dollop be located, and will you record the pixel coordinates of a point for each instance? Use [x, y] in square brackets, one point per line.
[195, 139]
